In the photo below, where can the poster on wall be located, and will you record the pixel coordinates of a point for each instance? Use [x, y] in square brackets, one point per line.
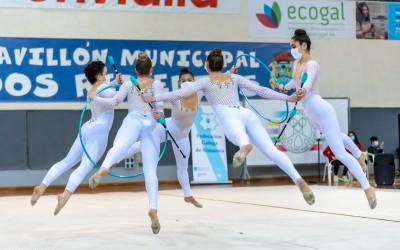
[208, 148]
[184, 6]
[377, 20]
[371, 20]
[280, 18]
[300, 139]
[50, 70]
[394, 21]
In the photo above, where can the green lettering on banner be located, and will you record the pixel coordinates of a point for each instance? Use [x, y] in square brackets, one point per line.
[313, 13]
[335, 15]
[291, 10]
[326, 13]
[342, 11]
[300, 16]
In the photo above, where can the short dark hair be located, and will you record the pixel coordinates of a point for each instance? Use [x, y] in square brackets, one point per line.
[93, 69]
[302, 37]
[373, 138]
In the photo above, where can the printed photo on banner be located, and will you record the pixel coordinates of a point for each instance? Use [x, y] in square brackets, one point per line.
[279, 18]
[371, 20]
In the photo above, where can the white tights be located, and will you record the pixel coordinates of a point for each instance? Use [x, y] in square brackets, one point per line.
[136, 126]
[182, 139]
[323, 116]
[95, 136]
[242, 126]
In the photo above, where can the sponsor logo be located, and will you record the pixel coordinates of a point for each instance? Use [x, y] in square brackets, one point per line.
[271, 17]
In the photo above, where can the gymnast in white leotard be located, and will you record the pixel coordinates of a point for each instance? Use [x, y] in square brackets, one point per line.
[322, 115]
[179, 124]
[94, 134]
[240, 124]
[138, 124]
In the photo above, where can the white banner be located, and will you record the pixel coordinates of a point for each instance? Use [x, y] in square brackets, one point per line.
[280, 18]
[208, 148]
[185, 6]
[299, 140]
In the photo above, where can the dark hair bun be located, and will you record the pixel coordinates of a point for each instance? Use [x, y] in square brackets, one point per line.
[300, 32]
[216, 52]
[184, 70]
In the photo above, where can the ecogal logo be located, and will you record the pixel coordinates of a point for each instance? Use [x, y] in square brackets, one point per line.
[271, 17]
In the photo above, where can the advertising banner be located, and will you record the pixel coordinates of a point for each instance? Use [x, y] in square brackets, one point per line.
[377, 20]
[51, 70]
[208, 148]
[280, 18]
[394, 21]
[183, 6]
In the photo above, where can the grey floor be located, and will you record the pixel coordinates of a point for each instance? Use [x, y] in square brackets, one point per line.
[232, 218]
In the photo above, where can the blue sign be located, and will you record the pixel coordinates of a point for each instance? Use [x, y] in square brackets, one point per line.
[394, 21]
[50, 70]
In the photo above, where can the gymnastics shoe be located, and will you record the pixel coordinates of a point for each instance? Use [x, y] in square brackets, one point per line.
[370, 193]
[94, 181]
[240, 155]
[37, 192]
[192, 200]
[306, 191]
[62, 200]
[361, 160]
[155, 224]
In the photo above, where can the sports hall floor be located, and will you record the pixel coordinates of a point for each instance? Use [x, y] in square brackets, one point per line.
[268, 214]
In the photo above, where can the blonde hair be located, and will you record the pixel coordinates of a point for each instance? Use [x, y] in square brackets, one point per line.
[143, 64]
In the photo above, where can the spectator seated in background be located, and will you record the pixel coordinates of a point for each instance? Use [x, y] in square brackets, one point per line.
[336, 163]
[375, 148]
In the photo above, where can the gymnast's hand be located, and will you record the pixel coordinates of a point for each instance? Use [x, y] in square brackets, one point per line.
[148, 98]
[119, 78]
[301, 92]
[234, 69]
[294, 97]
[157, 115]
[281, 87]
